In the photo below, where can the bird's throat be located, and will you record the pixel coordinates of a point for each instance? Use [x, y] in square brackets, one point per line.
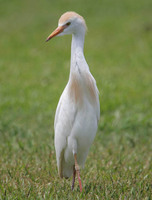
[77, 43]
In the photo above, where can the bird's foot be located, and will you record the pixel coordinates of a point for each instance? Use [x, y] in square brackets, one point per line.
[73, 181]
[79, 179]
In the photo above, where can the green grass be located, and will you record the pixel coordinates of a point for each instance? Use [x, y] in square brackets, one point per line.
[118, 49]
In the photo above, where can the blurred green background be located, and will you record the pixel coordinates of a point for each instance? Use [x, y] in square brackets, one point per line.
[33, 74]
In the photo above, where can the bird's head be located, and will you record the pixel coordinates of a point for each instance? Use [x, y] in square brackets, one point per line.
[69, 23]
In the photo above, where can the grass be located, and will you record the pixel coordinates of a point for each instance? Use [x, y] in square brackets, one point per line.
[118, 49]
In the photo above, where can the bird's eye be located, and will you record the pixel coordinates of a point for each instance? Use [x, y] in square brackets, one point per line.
[68, 23]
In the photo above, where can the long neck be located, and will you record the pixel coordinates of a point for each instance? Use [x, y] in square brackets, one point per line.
[77, 44]
[77, 56]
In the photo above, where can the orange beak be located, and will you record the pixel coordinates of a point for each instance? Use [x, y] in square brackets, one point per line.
[58, 30]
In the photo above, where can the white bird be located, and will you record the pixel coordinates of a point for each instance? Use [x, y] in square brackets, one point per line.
[78, 110]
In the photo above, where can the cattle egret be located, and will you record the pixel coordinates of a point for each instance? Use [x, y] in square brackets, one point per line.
[78, 110]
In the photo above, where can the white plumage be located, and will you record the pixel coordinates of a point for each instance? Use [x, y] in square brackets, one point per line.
[78, 110]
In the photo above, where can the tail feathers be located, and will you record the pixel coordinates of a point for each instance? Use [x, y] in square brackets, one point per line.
[65, 170]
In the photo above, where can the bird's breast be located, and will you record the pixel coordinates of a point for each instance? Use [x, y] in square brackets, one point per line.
[82, 87]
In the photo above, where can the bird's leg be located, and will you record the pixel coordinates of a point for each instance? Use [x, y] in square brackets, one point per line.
[73, 181]
[77, 168]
